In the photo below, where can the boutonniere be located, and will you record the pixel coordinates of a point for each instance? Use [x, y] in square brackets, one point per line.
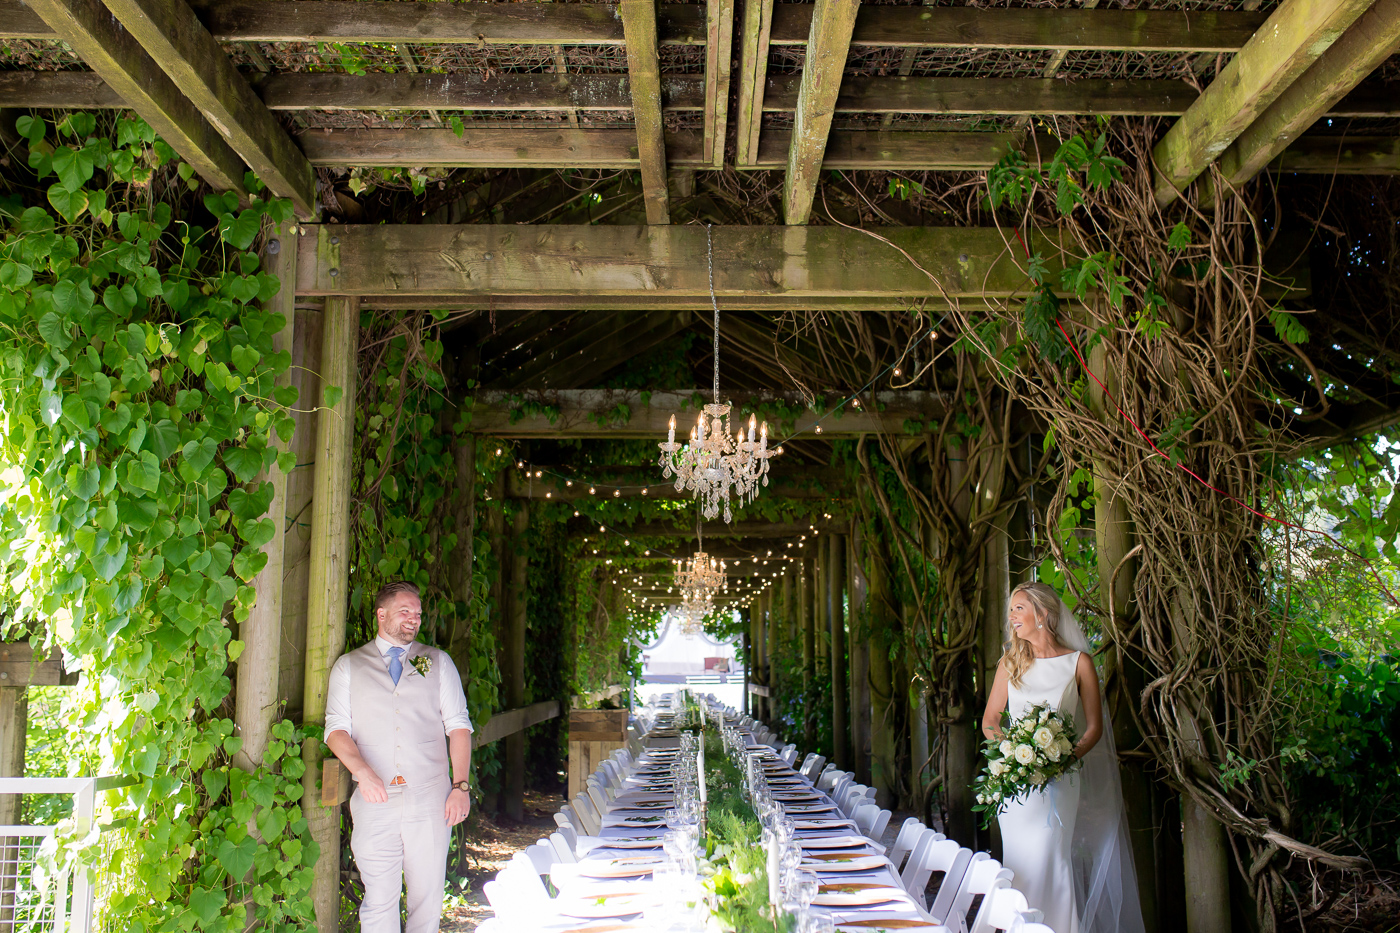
[422, 663]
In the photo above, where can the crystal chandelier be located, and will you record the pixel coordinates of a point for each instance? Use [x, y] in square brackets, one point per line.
[701, 574]
[692, 611]
[714, 465]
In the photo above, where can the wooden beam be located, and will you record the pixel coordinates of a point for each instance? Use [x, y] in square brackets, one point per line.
[1341, 155]
[556, 304]
[20, 668]
[178, 41]
[828, 44]
[488, 23]
[115, 55]
[719, 37]
[572, 413]
[1373, 38]
[753, 78]
[512, 721]
[1031, 28]
[566, 147]
[788, 487]
[681, 93]
[644, 71]
[716, 531]
[454, 261]
[1294, 36]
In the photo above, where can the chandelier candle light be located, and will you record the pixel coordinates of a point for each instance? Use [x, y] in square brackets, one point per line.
[713, 465]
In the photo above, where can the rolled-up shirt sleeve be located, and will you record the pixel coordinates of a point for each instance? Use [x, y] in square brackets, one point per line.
[338, 700]
[453, 699]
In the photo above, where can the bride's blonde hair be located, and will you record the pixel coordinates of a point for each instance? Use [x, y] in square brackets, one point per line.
[1017, 652]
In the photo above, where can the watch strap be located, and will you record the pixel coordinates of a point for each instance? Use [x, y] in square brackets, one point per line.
[463, 786]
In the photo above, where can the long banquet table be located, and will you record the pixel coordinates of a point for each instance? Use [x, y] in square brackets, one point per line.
[611, 884]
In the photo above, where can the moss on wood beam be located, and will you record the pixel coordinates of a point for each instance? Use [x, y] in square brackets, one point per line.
[490, 23]
[1373, 38]
[130, 71]
[1293, 37]
[446, 261]
[828, 44]
[719, 36]
[193, 59]
[753, 78]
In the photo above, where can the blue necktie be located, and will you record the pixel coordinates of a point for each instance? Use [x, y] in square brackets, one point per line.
[396, 664]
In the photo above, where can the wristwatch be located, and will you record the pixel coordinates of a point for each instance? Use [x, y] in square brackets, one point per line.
[464, 786]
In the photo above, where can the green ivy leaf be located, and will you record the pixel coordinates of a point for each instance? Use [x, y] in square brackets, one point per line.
[208, 903]
[199, 454]
[69, 204]
[143, 472]
[243, 463]
[163, 439]
[237, 857]
[54, 331]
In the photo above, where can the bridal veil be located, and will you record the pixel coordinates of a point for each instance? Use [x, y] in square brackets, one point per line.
[1105, 881]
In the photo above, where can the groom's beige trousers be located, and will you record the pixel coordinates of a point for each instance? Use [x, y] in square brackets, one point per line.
[404, 840]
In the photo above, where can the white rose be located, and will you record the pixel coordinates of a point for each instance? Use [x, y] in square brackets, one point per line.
[1044, 737]
[1038, 778]
[1044, 715]
[1053, 753]
[1025, 754]
[1007, 749]
[1056, 726]
[998, 768]
[1065, 745]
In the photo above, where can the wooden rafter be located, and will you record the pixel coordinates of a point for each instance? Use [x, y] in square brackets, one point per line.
[576, 413]
[1294, 36]
[1373, 38]
[192, 58]
[490, 23]
[753, 79]
[1342, 155]
[593, 346]
[644, 74]
[827, 47]
[719, 34]
[444, 261]
[130, 71]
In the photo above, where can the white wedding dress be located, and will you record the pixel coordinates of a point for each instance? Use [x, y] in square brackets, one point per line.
[1037, 829]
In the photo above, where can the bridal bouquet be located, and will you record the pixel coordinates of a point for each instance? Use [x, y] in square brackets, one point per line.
[1032, 751]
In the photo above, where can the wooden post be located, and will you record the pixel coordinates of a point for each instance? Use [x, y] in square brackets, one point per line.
[1114, 539]
[459, 573]
[259, 666]
[820, 606]
[836, 616]
[14, 722]
[889, 694]
[513, 782]
[327, 589]
[960, 756]
[860, 656]
[809, 649]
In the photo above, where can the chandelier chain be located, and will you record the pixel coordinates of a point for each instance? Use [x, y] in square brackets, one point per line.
[710, 261]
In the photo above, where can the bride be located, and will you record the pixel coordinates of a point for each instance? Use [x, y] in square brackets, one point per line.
[1068, 846]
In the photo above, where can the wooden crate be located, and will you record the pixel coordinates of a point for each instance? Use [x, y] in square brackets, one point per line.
[594, 734]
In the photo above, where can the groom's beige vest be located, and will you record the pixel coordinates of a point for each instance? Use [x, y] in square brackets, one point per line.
[399, 730]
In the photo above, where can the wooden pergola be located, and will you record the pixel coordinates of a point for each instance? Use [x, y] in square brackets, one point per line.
[669, 91]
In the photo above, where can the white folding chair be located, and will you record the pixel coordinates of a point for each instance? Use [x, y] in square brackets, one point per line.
[1004, 908]
[813, 766]
[542, 856]
[942, 907]
[982, 876]
[931, 853]
[909, 833]
[567, 830]
[871, 821]
[563, 848]
[591, 819]
[600, 800]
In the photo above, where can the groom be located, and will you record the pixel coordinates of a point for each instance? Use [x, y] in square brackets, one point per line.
[388, 708]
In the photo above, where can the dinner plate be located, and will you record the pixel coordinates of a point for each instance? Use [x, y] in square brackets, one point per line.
[823, 824]
[866, 898]
[809, 807]
[824, 863]
[605, 906]
[833, 842]
[875, 925]
[624, 867]
[645, 843]
[795, 796]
